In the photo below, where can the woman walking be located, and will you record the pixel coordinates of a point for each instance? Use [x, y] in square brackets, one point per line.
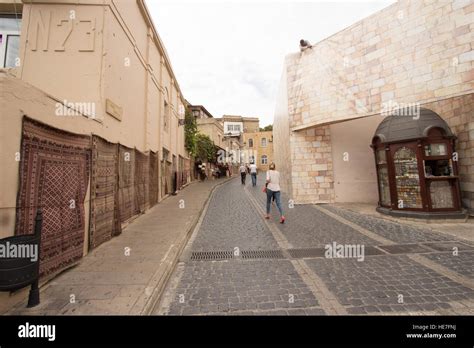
[273, 191]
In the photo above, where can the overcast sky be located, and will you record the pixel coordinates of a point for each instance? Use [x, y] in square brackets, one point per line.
[228, 55]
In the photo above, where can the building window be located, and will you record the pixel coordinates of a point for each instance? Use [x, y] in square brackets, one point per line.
[9, 42]
[250, 142]
[264, 142]
[264, 159]
[233, 127]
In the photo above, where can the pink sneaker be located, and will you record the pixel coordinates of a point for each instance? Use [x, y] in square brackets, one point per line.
[282, 220]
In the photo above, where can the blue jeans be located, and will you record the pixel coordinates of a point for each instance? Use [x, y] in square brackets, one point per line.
[270, 195]
[254, 179]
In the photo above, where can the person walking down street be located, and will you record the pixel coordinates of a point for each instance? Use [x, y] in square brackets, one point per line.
[273, 191]
[253, 173]
[243, 173]
[227, 170]
[204, 171]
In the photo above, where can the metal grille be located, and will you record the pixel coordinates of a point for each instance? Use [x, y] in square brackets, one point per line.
[262, 254]
[306, 253]
[211, 255]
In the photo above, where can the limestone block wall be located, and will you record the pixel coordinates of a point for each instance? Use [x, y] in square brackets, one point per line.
[312, 168]
[281, 136]
[412, 51]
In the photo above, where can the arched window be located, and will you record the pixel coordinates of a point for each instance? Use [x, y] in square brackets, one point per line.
[250, 142]
[264, 142]
[264, 159]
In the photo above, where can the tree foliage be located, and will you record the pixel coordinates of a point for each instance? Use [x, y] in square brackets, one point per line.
[205, 149]
[190, 131]
[267, 128]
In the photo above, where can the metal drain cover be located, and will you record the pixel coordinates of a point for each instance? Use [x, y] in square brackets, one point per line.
[262, 254]
[211, 255]
[448, 246]
[309, 252]
[404, 248]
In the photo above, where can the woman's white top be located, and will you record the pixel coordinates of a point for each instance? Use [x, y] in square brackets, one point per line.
[273, 179]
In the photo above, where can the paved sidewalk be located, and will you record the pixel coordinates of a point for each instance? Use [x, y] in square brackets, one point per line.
[458, 229]
[127, 274]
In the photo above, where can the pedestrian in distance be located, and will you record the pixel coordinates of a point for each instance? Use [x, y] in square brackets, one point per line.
[253, 174]
[272, 189]
[243, 173]
[203, 172]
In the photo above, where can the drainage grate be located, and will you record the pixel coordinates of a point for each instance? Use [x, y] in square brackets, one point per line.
[211, 255]
[304, 253]
[262, 254]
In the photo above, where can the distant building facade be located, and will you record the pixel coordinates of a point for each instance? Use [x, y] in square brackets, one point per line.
[213, 128]
[259, 145]
[234, 129]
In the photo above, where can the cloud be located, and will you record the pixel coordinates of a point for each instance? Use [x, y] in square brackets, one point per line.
[228, 55]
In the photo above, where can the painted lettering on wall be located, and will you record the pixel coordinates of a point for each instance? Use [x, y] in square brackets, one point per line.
[61, 32]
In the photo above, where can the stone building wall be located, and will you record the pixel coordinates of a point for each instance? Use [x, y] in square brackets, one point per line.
[312, 168]
[410, 52]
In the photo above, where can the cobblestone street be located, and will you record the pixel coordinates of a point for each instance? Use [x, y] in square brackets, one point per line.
[239, 263]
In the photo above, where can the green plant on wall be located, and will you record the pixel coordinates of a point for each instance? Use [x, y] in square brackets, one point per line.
[205, 149]
[190, 131]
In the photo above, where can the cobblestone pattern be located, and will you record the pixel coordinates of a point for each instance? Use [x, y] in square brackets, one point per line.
[393, 231]
[374, 285]
[231, 221]
[306, 227]
[243, 286]
[462, 264]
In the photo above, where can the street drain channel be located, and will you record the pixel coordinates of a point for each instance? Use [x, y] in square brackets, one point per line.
[211, 255]
[262, 254]
[303, 253]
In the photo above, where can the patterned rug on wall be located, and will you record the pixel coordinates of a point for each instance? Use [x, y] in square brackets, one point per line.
[126, 183]
[105, 214]
[54, 176]
[141, 181]
[153, 178]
